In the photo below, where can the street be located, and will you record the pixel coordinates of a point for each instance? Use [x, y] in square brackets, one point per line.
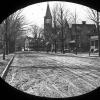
[49, 75]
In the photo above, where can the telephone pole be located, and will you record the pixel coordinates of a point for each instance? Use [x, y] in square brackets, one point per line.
[5, 42]
[62, 33]
[75, 34]
[4, 46]
[98, 32]
[6, 37]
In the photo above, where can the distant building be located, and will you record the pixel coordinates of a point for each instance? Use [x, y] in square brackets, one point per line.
[28, 43]
[76, 34]
[80, 33]
[32, 43]
[20, 43]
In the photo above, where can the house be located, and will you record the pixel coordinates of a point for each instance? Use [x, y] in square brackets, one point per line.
[28, 43]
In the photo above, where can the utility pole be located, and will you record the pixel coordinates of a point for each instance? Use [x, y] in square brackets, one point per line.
[55, 37]
[6, 38]
[98, 32]
[75, 33]
[4, 46]
[4, 50]
[62, 38]
[5, 42]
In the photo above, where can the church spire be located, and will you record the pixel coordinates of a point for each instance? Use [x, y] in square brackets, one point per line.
[48, 13]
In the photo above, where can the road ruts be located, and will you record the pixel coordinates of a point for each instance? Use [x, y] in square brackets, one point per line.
[4, 73]
[43, 75]
[90, 76]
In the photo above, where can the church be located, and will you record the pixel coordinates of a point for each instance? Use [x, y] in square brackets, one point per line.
[49, 32]
[53, 42]
[84, 30]
[48, 27]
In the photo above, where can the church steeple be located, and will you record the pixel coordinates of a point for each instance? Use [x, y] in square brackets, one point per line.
[48, 23]
[48, 13]
[48, 16]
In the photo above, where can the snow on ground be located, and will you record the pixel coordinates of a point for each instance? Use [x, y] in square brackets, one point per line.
[53, 76]
[3, 63]
[88, 62]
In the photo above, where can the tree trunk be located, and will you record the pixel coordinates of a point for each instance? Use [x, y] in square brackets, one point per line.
[4, 50]
[62, 40]
[55, 47]
[6, 37]
[6, 47]
[98, 32]
[62, 46]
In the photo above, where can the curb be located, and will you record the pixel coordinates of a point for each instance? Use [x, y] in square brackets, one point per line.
[73, 55]
[4, 73]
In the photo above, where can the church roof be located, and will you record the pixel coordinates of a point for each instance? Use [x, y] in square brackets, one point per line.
[48, 13]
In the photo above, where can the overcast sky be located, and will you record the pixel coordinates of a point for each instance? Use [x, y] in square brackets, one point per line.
[35, 13]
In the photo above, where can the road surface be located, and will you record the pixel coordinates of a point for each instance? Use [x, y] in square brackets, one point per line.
[47, 75]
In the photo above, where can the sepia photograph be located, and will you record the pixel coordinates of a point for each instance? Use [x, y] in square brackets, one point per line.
[51, 49]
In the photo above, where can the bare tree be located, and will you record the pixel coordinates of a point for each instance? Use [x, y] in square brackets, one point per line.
[2, 31]
[13, 27]
[94, 16]
[16, 26]
[37, 33]
[54, 16]
[74, 20]
[63, 16]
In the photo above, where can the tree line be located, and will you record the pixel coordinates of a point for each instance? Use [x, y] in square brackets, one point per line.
[14, 28]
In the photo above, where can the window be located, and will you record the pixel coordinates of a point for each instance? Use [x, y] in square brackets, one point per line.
[96, 43]
[92, 43]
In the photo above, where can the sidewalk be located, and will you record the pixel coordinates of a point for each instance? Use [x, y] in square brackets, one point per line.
[92, 55]
[3, 63]
[87, 55]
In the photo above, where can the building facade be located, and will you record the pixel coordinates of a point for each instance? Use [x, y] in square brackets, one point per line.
[76, 36]
[94, 44]
[28, 43]
[80, 35]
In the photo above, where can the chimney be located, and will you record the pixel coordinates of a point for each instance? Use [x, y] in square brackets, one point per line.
[83, 22]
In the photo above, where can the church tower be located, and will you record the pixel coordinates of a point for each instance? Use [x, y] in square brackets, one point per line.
[48, 23]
